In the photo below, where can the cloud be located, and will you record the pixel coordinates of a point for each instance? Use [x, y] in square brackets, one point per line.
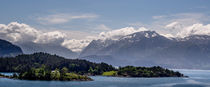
[174, 27]
[171, 25]
[195, 29]
[76, 45]
[103, 27]
[76, 41]
[64, 18]
[116, 34]
[50, 37]
[23, 33]
[158, 17]
[175, 23]
[168, 35]
[184, 24]
[184, 18]
[17, 32]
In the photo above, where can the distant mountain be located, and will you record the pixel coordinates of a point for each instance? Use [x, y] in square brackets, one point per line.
[148, 48]
[7, 49]
[30, 47]
[95, 46]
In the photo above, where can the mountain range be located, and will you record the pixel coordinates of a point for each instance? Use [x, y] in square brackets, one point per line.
[145, 48]
[148, 48]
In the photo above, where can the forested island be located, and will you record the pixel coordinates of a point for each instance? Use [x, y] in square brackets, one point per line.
[46, 74]
[43, 66]
[131, 71]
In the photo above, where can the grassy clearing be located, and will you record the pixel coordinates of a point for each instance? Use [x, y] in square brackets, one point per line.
[110, 73]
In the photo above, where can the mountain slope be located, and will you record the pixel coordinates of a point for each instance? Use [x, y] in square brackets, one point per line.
[30, 47]
[148, 48]
[95, 46]
[8, 49]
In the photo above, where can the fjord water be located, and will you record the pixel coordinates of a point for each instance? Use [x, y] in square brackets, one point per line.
[197, 78]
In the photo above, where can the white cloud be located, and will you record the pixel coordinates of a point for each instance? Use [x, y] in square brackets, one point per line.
[171, 25]
[63, 18]
[17, 32]
[76, 45]
[174, 23]
[168, 35]
[174, 27]
[50, 37]
[116, 34]
[195, 29]
[178, 21]
[21, 33]
[76, 41]
[103, 27]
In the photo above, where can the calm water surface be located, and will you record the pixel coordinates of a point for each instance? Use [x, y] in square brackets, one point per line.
[197, 78]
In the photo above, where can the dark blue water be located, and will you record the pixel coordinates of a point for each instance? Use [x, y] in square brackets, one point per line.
[197, 78]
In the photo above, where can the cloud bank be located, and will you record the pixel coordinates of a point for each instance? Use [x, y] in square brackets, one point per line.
[195, 29]
[21, 33]
[116, 34]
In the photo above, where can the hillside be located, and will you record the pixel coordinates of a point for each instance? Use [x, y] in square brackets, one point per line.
[148, 48]
[8, 49]
[30, 48]
[22, 63]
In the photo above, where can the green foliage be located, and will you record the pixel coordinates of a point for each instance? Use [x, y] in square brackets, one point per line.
[44, 74]
[156, 71]
[55, 75]
[25, 62]
[110, 73]
[64, 70]
[73, 76]
[52, 67]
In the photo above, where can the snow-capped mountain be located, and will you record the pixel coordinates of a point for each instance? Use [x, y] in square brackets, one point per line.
[95, 46]
[148, 48]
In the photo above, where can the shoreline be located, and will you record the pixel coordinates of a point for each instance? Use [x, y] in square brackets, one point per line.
[8, 77]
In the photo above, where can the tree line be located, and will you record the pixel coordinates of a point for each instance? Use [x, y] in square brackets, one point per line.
[25, 62]
[43, 73]
[30, 66]
[131, 71]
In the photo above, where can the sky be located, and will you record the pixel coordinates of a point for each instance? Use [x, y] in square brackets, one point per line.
[74, 23]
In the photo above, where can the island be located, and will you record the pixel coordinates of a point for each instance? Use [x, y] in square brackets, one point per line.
[131, 71]
[45, 74]
[44, 66]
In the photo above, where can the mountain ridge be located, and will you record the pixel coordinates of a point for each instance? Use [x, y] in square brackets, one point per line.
[8, 49]
[148, 48]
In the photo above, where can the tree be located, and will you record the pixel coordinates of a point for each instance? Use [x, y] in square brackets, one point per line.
[90, 70]
[55, 75]
[63, 72]
[25, 62]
